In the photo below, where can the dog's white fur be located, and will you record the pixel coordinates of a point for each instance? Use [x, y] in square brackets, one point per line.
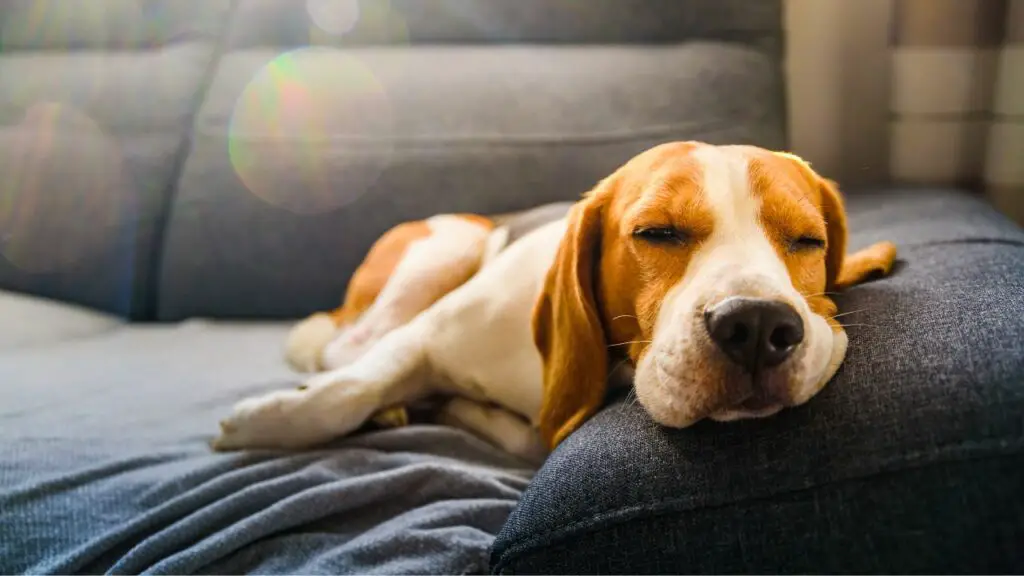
[475, 342]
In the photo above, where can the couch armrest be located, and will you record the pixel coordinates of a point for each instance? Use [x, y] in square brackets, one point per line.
[911, 460]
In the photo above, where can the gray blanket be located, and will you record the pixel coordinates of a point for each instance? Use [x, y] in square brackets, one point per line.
[104, 468]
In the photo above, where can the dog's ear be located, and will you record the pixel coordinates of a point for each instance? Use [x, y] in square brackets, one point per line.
[843, 270]
[567, 327]
[834, 211]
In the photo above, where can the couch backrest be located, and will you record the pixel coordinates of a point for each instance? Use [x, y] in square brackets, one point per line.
[97, 100]
[178, 158]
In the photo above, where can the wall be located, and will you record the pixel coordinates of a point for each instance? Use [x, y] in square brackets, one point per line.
[838, 74]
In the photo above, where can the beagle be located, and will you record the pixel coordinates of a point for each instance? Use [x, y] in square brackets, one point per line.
[708, 270]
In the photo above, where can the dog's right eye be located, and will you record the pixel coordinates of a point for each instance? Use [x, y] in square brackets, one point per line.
[660, 235]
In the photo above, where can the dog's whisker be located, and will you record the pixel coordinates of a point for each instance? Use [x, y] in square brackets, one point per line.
[616, 367]
[624, 316]
[849, 325]
[628, 401]
[635, 400]
[850, 312]
[630, 342]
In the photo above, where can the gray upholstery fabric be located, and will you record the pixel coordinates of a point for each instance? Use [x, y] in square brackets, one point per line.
[30, 321]
[104, 468]
[482, 105]
[96, 101]
[334, 22]
[398, 134]
[910, 461]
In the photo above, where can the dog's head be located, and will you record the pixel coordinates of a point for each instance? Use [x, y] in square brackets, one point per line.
[710, 268]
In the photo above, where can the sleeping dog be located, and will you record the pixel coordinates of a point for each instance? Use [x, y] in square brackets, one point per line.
[708, 270]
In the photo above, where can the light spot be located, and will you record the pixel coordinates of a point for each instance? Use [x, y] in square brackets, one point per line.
[63, 193]
[49, 24]
[311, 131]
[337, 17]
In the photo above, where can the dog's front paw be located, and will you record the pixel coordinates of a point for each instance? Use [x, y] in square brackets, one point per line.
[277, 420]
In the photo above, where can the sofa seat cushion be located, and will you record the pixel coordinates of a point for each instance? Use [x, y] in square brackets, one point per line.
[303, 158]
[31, 321]
[104, 468]
[911, 460]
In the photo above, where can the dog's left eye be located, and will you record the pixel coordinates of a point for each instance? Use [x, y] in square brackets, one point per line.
[660, 235]
[808, 243]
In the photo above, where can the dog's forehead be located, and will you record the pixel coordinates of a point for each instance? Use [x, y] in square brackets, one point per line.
[728, 187]
[738, 182]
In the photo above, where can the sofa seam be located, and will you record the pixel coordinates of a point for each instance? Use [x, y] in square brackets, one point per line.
[621, 516]
[967, 241]
[147, 310]
[496, 141]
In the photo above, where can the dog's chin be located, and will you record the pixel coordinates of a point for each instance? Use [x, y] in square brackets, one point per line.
[678, 397]
[747, 410]
[669, 400]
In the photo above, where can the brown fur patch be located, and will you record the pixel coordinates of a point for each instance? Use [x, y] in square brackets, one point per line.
[477, 219]
[375, 270]
[796, 202]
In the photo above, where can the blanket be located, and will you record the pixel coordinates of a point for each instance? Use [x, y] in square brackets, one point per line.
[104, 467]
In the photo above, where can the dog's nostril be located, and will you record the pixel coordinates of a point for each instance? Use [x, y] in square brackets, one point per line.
[784, 337]
[740, 333]
[755, 333]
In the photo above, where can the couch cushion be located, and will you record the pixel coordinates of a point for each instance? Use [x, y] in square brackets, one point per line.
[104, 468]
[302, 159]
[95, 108]
[31, 321]
[348, 22]
[911, 460]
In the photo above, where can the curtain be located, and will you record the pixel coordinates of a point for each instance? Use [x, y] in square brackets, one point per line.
[957, 103]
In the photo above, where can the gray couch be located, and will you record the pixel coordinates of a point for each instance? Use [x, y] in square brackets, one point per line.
[180, 178]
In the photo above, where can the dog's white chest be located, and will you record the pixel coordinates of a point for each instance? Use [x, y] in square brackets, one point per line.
[481, 341]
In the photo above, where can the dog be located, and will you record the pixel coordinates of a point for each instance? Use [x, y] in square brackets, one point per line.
[708, 270]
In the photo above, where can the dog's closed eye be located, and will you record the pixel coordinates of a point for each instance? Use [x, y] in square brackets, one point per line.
[807, 243]
[661, 235]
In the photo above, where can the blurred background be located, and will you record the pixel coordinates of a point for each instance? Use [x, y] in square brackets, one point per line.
[910, 91]
[158, 156]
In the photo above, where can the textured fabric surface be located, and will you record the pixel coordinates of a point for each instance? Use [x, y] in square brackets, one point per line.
[958, 96]
[30, 321]
[104, 468]
[325, 123]
[344, 22]
[302, 159]
[911, 460]
[96, 100]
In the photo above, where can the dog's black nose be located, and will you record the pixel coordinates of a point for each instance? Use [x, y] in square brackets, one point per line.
[755, 333]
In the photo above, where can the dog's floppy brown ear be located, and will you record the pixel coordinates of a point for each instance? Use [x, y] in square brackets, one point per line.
[567, 327]
[845, 270]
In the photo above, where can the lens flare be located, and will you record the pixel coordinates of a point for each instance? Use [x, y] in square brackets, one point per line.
[334, 21]
[56, 23]
[337, 17]
[310, 132]
[63, 189]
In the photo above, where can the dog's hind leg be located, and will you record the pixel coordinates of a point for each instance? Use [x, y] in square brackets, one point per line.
[407, 270]
[508, 431]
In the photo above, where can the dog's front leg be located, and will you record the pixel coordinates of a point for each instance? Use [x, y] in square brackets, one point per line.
[394, 371]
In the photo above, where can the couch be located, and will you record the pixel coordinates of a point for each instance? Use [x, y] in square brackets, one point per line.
[181, 179]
